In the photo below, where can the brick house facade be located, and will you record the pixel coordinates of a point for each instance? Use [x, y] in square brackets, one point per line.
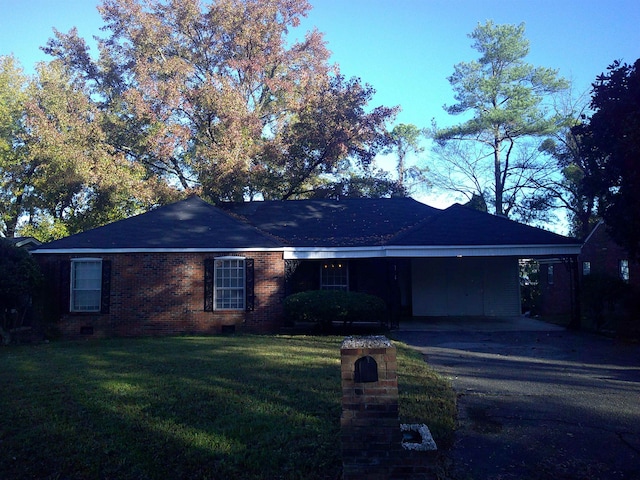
[166, 294]
[195, 268]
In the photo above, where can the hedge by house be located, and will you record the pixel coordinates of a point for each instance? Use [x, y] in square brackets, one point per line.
[326, 306]
[18, 282]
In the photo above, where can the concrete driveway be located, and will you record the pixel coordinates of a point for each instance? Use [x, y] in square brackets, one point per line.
[536, 401]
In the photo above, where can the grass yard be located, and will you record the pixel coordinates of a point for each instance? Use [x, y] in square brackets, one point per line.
[246, 407]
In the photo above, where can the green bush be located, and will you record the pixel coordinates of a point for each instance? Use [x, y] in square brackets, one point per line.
[18, 282]
[326, 306]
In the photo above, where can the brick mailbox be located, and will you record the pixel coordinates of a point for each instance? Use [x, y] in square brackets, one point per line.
[371, 435]
[374, 444]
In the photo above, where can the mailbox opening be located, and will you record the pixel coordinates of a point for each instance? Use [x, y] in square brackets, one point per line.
[366, 370]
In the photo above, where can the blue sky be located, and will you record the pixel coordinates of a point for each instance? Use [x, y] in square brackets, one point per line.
[405, 49]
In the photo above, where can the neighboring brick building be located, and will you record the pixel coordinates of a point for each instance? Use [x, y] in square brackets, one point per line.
[600, 256]
[191, 267]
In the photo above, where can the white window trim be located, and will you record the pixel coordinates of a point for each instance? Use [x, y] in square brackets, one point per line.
[243, 288]
[328, 287]
[72, 290]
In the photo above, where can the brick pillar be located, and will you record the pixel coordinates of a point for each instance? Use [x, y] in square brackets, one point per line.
[371, 436]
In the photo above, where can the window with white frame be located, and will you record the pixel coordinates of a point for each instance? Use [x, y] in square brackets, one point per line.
[334, 276]
[550, 274]
[229, 283]
[86, 284]
[586, 268]
[624, 270]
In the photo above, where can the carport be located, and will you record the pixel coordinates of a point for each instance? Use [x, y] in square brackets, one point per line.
[465, 264]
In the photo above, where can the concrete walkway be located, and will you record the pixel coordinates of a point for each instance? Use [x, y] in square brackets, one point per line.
[536, 401]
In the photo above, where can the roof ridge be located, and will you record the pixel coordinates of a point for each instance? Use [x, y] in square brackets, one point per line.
[245, 221]
[420, 224]
[507, 219]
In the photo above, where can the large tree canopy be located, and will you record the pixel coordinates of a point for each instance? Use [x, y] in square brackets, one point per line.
[611, 139]
[505, 97]
[12, 152]
[217, 96]
[58, 172]
[404, 140]
[576, 190]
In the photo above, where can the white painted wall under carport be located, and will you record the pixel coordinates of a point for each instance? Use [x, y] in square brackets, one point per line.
[466, 286]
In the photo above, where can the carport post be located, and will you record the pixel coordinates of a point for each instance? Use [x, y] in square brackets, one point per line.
[574, 275]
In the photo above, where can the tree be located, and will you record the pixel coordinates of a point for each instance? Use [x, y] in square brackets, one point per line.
[611, 140]
[575, 191]
[329, 131]
[404, 140]
[12, 152]
[76, 180]
[218, 97]
[505, 96]
[56, 169]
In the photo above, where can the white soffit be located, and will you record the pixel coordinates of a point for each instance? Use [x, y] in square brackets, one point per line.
[314, 253]
[321, 253]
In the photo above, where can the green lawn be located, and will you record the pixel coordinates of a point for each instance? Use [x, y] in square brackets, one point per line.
[247, 407]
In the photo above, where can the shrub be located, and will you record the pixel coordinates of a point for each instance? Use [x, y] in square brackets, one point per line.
[19, 279]
[605, 301]
[326, 306]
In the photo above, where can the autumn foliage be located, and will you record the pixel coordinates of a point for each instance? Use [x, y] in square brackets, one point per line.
[222, 98]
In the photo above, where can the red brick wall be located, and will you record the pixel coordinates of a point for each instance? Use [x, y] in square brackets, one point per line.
[555, 298]
[605, 256]
[163, 294]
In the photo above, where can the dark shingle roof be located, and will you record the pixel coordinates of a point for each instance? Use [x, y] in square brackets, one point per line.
[195, 224]
[459, 225]
[28, 243]
[191, 223]
[334, 223]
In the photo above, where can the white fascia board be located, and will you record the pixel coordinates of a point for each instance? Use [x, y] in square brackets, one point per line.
[319, 253]
[105, 251]
[483, 251]
[322, 253]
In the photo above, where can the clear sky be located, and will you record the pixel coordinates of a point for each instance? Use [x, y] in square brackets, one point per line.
[405, 49]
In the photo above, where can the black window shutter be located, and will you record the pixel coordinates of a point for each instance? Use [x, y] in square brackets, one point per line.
[64, 287]
[249, 285]
[106, 287]
[208, 284]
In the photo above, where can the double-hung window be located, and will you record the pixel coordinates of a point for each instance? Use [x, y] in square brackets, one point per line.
[623, 267]
[229, 283]
[334, 276]
[86, 284]
[550, 278]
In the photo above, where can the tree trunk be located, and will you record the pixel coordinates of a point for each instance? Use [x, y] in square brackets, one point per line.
[12, 222]
[497, 176]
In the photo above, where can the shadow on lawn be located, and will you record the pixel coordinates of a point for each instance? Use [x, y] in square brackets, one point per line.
[220, 407]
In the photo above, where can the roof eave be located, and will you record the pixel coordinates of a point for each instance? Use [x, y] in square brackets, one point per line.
[320, 253]
[106, 251]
